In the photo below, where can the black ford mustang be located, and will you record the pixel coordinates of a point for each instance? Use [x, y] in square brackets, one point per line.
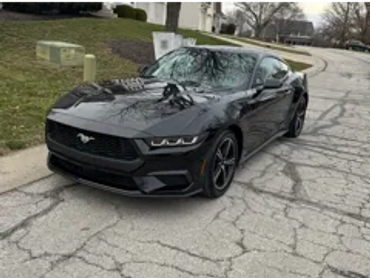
[179, 129]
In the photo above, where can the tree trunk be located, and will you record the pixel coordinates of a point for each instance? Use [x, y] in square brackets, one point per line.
[344, 31]
[367, 24]
[172, 17]
[258, 32]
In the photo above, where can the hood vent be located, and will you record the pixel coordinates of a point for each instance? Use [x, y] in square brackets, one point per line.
[124, 85]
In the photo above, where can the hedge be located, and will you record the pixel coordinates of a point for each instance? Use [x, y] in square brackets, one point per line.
[228, 28]
[125, 11]
[48, 7]
[141, 15]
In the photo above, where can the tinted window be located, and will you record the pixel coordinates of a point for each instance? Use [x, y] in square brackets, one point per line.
[210, 68]
[271, 68]
[282, 71]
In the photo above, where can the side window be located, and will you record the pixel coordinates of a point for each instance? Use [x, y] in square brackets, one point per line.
[282, 71]
[267, 68]
[270, 67]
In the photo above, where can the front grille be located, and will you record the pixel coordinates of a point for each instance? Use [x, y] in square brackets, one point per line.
[102, 145]
[93, 174]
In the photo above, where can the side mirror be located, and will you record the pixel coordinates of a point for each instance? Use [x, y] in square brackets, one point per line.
[272, 83]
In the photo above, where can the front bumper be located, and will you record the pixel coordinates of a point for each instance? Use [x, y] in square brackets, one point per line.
[169, 174]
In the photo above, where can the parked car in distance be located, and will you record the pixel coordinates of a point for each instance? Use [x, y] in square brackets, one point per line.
[356, 45]
[179, 129]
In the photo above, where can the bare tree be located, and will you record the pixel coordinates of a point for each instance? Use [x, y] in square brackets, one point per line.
[258, 15]
[367, 6]
[172, 16]
[347, 20]
[360, 15]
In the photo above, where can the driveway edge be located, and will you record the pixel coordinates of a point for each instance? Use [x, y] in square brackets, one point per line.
[23, 167]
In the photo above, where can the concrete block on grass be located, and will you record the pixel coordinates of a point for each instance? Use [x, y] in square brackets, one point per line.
[58, 53]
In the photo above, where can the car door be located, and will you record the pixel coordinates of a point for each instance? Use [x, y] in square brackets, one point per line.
[269, 104]
[285, 94]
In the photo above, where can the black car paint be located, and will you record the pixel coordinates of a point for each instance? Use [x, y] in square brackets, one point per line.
[256, 116]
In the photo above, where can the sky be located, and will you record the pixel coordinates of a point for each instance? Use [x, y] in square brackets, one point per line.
[312, 10]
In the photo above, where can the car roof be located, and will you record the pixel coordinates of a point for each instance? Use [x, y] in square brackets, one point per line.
[238, 49]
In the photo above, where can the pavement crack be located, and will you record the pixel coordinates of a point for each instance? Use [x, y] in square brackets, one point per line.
[335, 120]
[27, 184]
[320, 167]
[175, 248]
[65, 257]
[295, 199]
[290, 170]
[179, 269]
[27, 221]
[346, 273]
[325, 113]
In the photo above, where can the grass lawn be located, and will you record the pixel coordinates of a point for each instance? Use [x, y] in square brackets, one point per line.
[274, 46]
[28, 89]
[298, 66]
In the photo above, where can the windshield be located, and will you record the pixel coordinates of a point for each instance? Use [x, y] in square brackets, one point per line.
[204, 67]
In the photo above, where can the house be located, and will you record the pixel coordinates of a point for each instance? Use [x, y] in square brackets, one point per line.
[298, 32]
[203, 16]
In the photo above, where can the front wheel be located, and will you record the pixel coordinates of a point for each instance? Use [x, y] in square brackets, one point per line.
[222, 163]
[297, 123]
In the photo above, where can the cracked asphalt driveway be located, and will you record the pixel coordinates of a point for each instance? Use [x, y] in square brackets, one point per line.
[300, 208]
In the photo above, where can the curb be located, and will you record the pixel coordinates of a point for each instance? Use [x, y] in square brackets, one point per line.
[23, 167]
[318, 66]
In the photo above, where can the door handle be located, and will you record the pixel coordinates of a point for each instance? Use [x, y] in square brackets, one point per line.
[285, 92]
[268, 96]
[288, 92]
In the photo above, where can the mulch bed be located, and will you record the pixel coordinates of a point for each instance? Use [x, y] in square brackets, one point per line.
[137, 51]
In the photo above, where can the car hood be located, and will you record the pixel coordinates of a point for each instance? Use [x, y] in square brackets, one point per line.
[135, 105]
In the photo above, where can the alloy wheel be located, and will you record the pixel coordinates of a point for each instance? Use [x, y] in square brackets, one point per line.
[224, 163]
[300, 116]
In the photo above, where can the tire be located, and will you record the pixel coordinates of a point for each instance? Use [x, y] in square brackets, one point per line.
[297, 123]
[214, 187]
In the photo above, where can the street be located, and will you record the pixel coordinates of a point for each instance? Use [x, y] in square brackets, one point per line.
[299, 208]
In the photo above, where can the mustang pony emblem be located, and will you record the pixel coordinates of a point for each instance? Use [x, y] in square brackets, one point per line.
[84, 138]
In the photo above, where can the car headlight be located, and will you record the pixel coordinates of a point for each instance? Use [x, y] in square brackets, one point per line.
[175, 141]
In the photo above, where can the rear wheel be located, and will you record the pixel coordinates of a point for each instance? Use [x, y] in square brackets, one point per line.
[222, 164]
[296, 125]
